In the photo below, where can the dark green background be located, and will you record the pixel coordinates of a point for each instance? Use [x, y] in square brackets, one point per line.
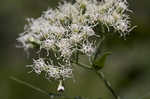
[128, 68]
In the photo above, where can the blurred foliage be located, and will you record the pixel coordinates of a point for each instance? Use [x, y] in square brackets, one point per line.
[128, 68]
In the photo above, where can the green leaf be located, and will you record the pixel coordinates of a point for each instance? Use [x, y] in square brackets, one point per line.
[100, 62]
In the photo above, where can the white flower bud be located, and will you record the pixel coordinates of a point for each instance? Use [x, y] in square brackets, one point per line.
[60, 86]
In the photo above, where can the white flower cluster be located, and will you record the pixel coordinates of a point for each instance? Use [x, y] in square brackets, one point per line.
[51, 70]
[69, 29]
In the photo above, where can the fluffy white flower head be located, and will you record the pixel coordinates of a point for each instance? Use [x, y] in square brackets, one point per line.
[70, 29]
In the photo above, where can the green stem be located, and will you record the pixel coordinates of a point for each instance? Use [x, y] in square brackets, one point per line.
[107, 84]
[101, 76]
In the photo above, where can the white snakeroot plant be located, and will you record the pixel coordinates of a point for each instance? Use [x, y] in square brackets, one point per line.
[70, 30]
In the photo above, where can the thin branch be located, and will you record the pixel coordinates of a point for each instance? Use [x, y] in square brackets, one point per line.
[52, 95]
[29, 85]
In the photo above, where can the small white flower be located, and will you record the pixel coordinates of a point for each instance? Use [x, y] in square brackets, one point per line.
[116, 15]
[53, 72]
[76, 37]
[66, 53]
[122, 26]
[68, 9]
[66, 71]
[39, 25]
[121, 5]
[48, 44]
[65, 48]
[38, 65]
[57, 30]
[92, 12]
[88, 31]
[75, 27]
[58, 72]
[50, 15]
[25, 40]
[88, 49]
[63, 43]
[108, 19]
[82, 2]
